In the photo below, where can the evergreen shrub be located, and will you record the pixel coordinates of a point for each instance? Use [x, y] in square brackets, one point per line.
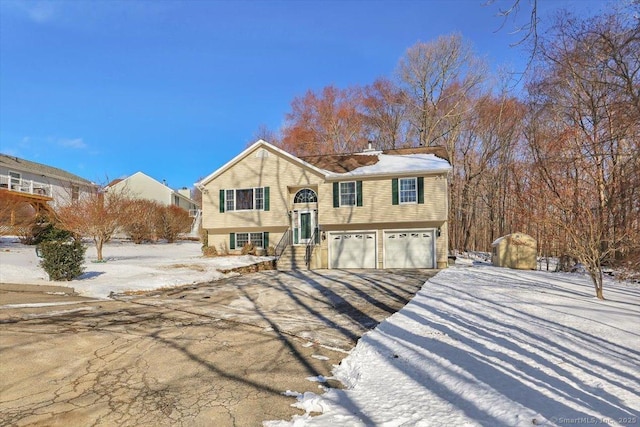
[62, 259]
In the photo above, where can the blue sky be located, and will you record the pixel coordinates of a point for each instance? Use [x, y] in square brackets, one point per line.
[175, 89]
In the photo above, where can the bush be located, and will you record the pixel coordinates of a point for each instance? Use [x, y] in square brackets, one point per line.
[209, 251]
[140, 219]
[249, 249]
[47, 231]
[173, 221]
[62, 259]
[204, 237]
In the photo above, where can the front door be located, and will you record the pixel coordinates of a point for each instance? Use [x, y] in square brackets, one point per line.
[305, 227]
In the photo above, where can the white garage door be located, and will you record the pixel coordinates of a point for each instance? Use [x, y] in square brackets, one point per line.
[352, 250]
[409, 249]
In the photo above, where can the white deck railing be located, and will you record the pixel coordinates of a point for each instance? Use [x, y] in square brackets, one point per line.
[26, 186]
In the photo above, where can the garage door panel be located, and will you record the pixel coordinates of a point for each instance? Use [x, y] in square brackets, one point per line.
[409, 249]
[353, 250]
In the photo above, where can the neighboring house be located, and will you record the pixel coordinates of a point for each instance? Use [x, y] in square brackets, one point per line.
[376, 209]
[142, 186]
[40, 185]
[516, 250]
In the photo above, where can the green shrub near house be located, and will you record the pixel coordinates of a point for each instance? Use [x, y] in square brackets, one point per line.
[62, 259]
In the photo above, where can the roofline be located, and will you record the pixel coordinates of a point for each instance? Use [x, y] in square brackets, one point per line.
[190, 200]
[76, 179]
[252, 147]
[344, 176]
[176, 192]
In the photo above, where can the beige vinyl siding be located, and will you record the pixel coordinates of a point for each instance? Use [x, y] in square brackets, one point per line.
[253, 171]
[140, 186]
[442, 246]
[377, 205]
[219, 239]
[285, 177]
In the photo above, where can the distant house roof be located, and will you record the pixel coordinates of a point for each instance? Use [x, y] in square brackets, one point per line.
[18, 164]
[163, 184]
[115, 181]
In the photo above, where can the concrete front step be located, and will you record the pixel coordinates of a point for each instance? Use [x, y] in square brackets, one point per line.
[292, 259]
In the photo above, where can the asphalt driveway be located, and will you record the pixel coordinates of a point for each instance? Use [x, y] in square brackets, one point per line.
[225, 353]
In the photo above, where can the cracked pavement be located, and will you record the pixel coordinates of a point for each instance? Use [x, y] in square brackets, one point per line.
[216, 354]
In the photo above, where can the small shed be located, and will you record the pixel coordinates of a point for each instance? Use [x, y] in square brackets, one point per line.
[516, 250]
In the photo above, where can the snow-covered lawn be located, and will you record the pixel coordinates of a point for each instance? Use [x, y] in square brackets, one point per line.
[477, 345]
[127, 266]
[487, 346]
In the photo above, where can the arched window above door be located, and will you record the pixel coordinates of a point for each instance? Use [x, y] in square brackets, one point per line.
[305, 195]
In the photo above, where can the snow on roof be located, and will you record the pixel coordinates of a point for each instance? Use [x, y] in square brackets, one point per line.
[403, 161]
[399, 164]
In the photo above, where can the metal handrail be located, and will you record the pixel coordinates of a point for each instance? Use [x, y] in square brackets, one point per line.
[283, 243]
[309, 249]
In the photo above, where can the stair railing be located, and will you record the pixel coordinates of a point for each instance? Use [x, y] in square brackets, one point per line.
[283, 243]
[309, 249]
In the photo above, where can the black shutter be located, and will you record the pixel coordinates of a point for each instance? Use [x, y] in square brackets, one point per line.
[421, 189]
[394, 191]
[265, 239]
[232, 240]
[221, 201]
[358, 193]
[336, 195]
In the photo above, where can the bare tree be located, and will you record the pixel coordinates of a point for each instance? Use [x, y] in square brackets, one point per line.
[385, 114]
[484, 153]
[438, 77]
[584, 152]
[265, 133]
[98, 216]
[139, 219]
[172, 221]
[327, 122]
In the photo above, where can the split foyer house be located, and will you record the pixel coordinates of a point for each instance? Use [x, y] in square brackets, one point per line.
[375, 209]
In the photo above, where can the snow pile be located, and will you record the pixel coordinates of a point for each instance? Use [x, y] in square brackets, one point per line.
[481, 345]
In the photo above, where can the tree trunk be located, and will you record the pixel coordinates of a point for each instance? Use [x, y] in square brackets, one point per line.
[596, 278]
[99, 242]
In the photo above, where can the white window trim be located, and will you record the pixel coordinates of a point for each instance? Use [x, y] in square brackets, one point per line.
[355, 193]
[415, 191]
[249, 233]
[15, 179]
[307, 190]
[235, 199]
